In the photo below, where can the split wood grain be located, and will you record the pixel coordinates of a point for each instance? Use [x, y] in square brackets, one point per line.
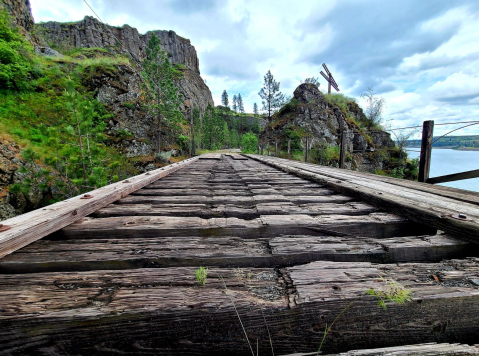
[287, 250]
[379, 225]
[164, 311]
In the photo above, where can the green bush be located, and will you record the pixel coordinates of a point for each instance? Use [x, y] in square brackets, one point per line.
[183, 142]
[15, 66]
[249, 143]
[124, 133]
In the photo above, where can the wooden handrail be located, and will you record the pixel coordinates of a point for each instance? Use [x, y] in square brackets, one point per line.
[453, 177]
[27, 228]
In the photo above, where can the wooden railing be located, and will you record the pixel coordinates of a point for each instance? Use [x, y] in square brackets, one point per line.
[425, 160]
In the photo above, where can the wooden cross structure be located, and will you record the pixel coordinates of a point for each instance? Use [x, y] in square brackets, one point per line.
[329, 78]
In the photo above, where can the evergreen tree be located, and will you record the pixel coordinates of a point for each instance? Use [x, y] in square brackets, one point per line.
[213, 129]
[240, 104]
[161, 91]
[235, 103]
[224, 99]
[234, 139]
[226, 135]
[256, 126]
[255, 110]
[273, 99]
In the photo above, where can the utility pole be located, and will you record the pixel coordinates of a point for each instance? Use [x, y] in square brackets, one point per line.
[329, 78]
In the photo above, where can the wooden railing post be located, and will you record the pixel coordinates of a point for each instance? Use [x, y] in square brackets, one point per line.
[276, 148]
[342, 152]
[426, 149]
[289, 148]
[306, 156]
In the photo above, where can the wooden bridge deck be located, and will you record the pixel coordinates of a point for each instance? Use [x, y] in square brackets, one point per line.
[285, 247]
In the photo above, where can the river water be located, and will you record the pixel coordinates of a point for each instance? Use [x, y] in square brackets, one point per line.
[446, 161]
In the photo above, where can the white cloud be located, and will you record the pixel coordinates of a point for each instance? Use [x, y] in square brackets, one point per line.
[421, 56]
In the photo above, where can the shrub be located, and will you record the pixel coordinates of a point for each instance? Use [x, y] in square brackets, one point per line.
[249, 143]
[15, 67]
[163, 157]
[123, 133]
[183, 142]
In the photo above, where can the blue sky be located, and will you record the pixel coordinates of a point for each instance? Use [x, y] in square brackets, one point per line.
[421, 56]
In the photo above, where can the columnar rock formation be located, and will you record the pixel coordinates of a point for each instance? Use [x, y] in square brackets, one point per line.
[90, 33]
[21, 12]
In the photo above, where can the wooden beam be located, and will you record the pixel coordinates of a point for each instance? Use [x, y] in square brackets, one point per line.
[164, 311]
[426, 208]
[32, 226]
[426, 149]
[454, 177]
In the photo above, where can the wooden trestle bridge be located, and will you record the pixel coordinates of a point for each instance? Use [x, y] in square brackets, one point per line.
[288, 245]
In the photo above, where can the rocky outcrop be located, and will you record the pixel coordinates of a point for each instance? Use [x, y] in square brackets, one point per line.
[90, 33]
[12, 204]
[312, 115]
[21, 12]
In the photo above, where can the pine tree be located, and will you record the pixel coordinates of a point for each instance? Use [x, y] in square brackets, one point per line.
[273, 99]
[240, 104]
[235, 103]
[161, 91]
[224, 99]
[255, 110]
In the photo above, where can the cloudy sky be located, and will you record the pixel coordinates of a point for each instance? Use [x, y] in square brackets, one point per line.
[421, 56]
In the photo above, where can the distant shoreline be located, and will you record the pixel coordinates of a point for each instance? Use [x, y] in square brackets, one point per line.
[451, 148]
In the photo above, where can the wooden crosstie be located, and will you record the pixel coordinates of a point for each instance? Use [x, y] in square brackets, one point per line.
[288, 245]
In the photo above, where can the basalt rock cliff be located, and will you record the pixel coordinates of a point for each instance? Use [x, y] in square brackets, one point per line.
[21, 12]
[91, 33]
[312, 115]
[120, 89]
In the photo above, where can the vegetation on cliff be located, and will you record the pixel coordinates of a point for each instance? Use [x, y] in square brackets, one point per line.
[322, 118]
[48, 110]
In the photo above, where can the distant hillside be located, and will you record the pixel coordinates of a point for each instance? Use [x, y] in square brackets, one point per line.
[454, 142]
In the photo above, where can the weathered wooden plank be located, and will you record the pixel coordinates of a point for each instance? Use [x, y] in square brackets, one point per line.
[244, 212]
[454, 193]
[161, 252]
[438, 211]
[429, 349]
[193, 191]
[34, 225]
[378, 225]
[235, 200]
[200, 210]
[163, 311]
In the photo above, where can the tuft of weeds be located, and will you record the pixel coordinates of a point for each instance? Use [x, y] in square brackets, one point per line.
[201, 275]
[392, 291]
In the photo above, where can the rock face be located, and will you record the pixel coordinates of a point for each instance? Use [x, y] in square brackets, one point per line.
[22, 13]
[90, 33]
[12, 204]
[324, 122]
